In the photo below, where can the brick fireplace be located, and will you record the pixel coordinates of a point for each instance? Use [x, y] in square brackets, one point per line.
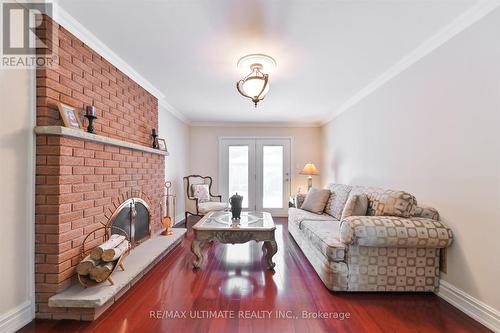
[81, 178]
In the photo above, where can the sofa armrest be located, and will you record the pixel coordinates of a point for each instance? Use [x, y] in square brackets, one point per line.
[299, 199]
[427, 212]
[392, 231]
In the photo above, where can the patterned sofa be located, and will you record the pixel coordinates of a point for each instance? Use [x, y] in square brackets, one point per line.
[374, 252]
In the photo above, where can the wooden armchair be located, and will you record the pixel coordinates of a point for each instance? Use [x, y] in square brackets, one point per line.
[192, 206]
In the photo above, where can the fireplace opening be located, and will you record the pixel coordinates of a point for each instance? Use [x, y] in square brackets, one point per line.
[132, 216]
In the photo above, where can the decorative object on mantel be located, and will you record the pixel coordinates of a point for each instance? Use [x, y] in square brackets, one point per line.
[155, 138]
[99, 262]
[309, 170]
[170, 201]
[162, 144]
[90, 114]
[70, 116]
[236, 203]
[256, 84]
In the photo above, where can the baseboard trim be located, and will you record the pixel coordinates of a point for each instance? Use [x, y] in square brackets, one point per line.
[178, 219]
[17, 317]
[469, 305]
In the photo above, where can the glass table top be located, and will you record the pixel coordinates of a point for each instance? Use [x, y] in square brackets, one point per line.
[248, 221]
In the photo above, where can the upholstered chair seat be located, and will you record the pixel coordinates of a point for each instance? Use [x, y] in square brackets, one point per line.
[206, 207]
[202, 204]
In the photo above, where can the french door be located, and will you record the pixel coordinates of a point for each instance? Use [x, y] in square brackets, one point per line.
[258, 169]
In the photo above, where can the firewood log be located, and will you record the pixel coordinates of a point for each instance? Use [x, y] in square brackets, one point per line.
[84, 267]
[112, 242]
[115, 253]
[101, 272]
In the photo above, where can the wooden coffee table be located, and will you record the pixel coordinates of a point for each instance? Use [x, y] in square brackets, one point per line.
[257, 226]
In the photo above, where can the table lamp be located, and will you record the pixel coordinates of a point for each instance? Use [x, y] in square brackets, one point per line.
[309, 170]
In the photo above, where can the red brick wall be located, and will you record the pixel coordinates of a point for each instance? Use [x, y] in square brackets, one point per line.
[77, 181]
[125, 110]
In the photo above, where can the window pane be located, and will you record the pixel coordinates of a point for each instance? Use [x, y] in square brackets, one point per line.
[238, 172]
[273, 177]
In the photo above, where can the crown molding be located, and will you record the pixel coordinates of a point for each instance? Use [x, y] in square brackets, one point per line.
[63, 18]
[459, 24]
[253, 124]
[469, 305]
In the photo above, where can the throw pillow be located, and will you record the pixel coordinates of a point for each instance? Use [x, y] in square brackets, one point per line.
[392, 203]
[356, 205]
[315, 200]
[201, 191]
[338, 199]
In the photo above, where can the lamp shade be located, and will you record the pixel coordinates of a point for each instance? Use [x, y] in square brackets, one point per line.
[310, 170]
[255, 86]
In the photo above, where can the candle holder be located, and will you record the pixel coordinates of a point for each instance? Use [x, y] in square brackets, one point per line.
[90, 114]
[91, 119]
[155, 140]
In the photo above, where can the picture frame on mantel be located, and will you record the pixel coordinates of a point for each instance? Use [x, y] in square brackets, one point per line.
[70, 116]
[162, 144]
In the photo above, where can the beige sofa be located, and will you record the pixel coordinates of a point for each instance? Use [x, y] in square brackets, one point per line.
[371, 253]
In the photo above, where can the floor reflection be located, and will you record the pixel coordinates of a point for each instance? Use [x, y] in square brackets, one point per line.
[235, 286]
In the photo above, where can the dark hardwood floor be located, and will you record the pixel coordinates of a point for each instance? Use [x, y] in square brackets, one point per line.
[233, 278]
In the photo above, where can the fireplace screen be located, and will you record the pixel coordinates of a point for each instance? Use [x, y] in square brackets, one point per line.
[133, 217]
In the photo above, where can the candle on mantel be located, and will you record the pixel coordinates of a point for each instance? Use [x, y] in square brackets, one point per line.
[153, 131]
[91, 111]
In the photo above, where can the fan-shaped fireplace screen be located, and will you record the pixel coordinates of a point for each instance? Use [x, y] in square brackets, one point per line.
[133, 217]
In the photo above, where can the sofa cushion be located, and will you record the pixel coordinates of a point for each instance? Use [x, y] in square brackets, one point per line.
[337, 200]
[205, 207]
[296, 216]
[427, 212]
[392, 203]
[316, 200]
[356, 205]
[325, 237]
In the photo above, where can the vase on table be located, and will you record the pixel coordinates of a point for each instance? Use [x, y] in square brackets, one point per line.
[236, 203]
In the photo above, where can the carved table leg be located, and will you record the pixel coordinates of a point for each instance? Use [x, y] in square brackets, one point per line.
[196, 249]
[271, 249]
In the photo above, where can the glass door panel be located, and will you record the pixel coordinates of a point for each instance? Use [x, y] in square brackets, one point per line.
[272, 177]
[259, 170]
[238, 172]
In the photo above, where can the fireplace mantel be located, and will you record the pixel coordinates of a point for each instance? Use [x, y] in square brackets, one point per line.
[79, 134]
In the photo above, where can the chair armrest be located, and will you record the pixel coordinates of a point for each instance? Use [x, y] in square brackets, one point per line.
[299, 199]
[219, 197]
[191, 204]
[392, 231]
[427, 212]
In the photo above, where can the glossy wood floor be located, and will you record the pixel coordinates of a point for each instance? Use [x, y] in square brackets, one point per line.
[232, 278]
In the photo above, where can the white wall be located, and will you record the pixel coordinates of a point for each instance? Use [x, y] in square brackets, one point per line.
[434, 131]
[176, 134]
[204, 149]
[17, 198]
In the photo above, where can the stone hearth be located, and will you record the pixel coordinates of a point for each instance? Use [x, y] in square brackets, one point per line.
[97, 299]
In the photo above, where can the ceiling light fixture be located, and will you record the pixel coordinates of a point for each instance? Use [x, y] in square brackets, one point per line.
[256, 84]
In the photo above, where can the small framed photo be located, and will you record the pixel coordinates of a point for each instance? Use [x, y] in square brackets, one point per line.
[69, 116]
[162, 145]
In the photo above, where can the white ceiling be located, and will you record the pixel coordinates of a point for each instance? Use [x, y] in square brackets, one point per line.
[326, 50]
